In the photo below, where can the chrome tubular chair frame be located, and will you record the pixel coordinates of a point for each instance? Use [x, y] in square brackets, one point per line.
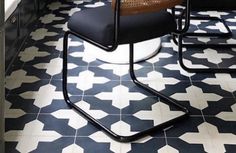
[96, 122]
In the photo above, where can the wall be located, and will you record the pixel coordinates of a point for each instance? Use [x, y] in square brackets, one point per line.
[2, 75]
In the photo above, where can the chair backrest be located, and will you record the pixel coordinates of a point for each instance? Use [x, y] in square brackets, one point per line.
[129, 7]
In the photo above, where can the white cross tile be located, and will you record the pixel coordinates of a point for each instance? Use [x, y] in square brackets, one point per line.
[120, 96]
[197, 98]
[122, 128]
[62, 26]
[56, 5]
[167, 149]
[232, 27]
[158, 56]
[234, 49]
[189, 64]
[98, 114]
[178, 67]
[171, 44]
[41, 33]
[75, 120]
[44, 96]
[71, 11]
[202, 39]
[225, 81]
[28, 138]
[30, 53]
[228, 116]
[212, 56]
[213, 13]
[86, 56]
[86, 80]
[160, 113]
[78, 1]
[49, 18]
[231, 19]
[17, 78]
[233, 66]
[74, 148]
[210, 138]
[96, 4]
[231, 41]
[115, 146]
[12, 113]
[52, 68]
[59, 44]
[218, 26]
[119, 70]
[156, 80]
[197, 22]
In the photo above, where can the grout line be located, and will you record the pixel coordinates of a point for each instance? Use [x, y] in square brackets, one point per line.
[165, 136]
[203, 117]
[76, 132]
[38, 114]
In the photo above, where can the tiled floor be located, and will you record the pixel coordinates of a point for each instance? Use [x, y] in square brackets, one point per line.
[39, 121]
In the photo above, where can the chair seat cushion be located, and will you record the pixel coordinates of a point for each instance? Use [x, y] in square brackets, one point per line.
[97, 25]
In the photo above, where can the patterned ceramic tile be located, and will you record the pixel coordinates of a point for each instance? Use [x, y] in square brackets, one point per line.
[39, 121]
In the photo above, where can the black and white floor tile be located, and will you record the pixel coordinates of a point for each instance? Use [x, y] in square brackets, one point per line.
[39, 121]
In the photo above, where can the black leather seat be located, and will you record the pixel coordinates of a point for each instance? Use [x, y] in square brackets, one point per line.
[100, 22]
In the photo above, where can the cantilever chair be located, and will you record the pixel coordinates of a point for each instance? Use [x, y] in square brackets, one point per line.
[208, 5]
[125, 22]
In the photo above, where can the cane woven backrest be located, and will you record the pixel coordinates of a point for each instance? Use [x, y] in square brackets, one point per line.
[129, 7]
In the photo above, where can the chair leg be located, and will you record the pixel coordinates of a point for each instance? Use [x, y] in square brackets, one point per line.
[149, 89]
[97, 123]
